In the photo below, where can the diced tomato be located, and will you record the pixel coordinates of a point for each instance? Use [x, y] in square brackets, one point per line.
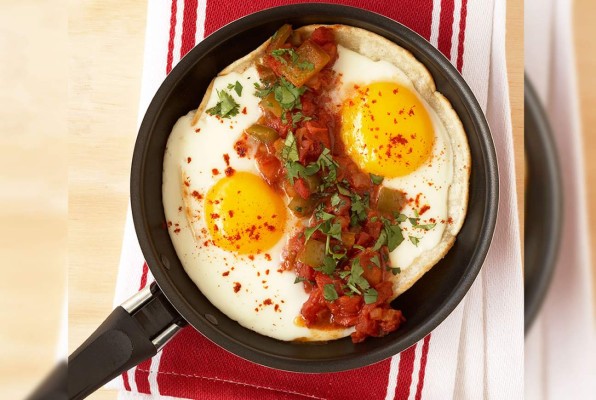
[268, 164]
[302, 188]
[322, 36]
[345, 310]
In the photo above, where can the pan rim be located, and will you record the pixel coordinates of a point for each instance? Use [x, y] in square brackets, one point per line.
[477, 257]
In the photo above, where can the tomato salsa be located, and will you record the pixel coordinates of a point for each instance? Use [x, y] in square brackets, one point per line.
[341, 257]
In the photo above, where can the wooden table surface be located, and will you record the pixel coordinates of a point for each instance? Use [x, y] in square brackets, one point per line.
[106, 40]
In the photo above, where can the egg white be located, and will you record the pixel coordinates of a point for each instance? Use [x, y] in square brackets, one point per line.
[431, 180]
[207, 265]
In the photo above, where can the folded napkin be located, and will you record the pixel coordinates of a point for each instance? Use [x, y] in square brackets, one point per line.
[561, 345]
[474, 351]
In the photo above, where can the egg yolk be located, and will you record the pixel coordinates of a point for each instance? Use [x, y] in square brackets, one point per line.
[244, 214]
[386, 129]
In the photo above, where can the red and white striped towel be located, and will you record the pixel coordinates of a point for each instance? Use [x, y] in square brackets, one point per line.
[474, 351]
[560, 349]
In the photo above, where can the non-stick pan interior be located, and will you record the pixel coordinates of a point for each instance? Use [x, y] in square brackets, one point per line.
[425, 305]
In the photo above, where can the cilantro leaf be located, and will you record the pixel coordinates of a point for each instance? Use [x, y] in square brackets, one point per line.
[425, 227]
[328, 266]
[288, 95]
[329, 292]
[370, 296]
[376, 179]
[414, 240]
[278, 54]
[301, 279]
[226, 107]
[238, 88]
[394, 237]
[290, 150]
[395, 271]
[358, 209]
[306, 65]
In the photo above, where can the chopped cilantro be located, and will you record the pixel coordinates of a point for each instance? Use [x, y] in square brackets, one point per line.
[306, 65]
[376, 179]
[414, 240]
[328, 267]
[425, 227]
[299, 117]
[301, 279]
[237, 87]
[370, 296]
[226, 107]
[329, 292]
[278, 54]
[288, 95]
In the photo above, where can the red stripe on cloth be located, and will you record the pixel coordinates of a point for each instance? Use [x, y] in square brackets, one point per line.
[125, 380]
[170, 57]
[415, 14]
[142, 377]
[404, 377]
[144, 276]
[422, 370]
[189, 26]
[446, 27]
[191, 366]
[462, 35]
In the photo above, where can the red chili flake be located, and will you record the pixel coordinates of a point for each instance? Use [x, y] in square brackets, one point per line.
[215, 171]
[432, 220]
[257, 309]
[198, 130]
[372, 117]
[215, 228]
[230, 171]
[356, 87]
[417, 201]
[259, 217]
[251, 257]
[176, 224]
[226, 273]
[169, 223]
[231, 213]
[188, 160]
[374, 101]
[399, 139]
[244, 111]
[177, 230]
[401, 111]
[206, 243]
[241, 148]
[226, 158]
[258, 273]
[380, 94]
[267, 257]
[276, 308]
[413, 136]
[267, 302]
[186, 183]
[180, 208]
[450, 220]
[411, 112]
[197, 195]
[424, 209]
[394, 121]
[273, 216]
[283, 302]
[237, 287]
[214, 215]
[267, 272]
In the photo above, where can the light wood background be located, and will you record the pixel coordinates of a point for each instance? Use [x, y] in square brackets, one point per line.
[103, 68]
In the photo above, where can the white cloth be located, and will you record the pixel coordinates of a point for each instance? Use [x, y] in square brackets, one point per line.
[477, 352]
[560, 349]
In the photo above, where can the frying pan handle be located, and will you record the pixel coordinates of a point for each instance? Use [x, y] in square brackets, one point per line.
[133, 332]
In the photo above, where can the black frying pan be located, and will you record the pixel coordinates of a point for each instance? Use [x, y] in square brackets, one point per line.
[544, 209]
[137, 329]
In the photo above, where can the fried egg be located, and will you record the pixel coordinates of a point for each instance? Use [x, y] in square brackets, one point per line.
[389, 130]
[228, 226]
